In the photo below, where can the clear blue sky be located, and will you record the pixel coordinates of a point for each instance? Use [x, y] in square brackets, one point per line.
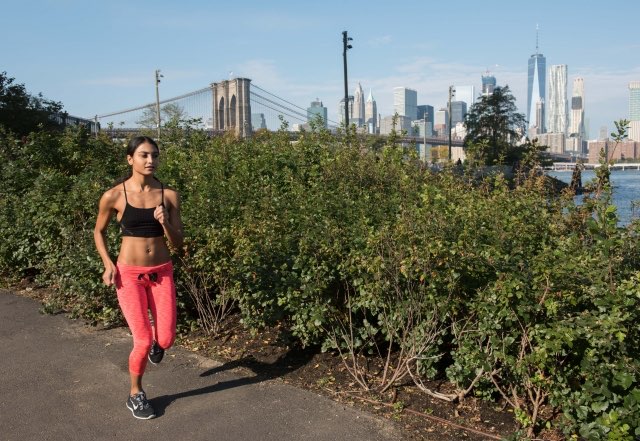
[100, 56]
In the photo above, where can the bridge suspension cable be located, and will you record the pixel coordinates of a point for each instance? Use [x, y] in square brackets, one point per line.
[146, 106]
[267, 110]
[195, 105]
[282, 106]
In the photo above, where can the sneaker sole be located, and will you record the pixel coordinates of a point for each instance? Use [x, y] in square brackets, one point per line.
[140, 418]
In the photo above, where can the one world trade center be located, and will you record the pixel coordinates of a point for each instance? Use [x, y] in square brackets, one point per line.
[536, 91]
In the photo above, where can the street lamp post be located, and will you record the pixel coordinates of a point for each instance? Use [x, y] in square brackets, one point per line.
[346, 46]
[451, 91]
[424, 136]
[158, 76]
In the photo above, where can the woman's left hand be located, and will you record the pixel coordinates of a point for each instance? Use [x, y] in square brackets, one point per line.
[161, 214]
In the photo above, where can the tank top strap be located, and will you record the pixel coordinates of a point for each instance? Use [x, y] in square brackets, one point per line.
[162, 190]
[125, 193]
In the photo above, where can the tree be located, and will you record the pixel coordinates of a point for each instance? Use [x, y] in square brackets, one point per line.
[494, 128]
[170, 113]
[23, 113]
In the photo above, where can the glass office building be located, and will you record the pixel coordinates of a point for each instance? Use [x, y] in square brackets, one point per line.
[536, 83]
[405, 102]
[557, 108]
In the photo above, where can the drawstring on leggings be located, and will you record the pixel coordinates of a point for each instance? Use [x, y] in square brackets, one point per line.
[152, 276]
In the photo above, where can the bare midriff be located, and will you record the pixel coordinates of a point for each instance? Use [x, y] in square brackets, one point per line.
[143, 251]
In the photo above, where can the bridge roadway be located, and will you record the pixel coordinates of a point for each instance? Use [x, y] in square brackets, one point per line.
[125, 132]
[455, 142]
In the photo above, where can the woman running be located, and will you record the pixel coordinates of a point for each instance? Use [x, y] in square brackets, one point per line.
[143, 274]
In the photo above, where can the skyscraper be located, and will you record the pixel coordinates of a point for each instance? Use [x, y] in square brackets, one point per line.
[557, 105]
[602, 136]
[350, 109]
[441, 124]
[466, 94]
[428, 110]
[258, 121]
[358, 107]
[488, 84]
[371, 114]
[539, 118]
[458, 112]
[577, 109]
[634, 110]
[536, 83]
[317, 110]
[405, 102]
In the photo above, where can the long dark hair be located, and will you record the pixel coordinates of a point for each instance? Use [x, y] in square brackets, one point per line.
[132, 146]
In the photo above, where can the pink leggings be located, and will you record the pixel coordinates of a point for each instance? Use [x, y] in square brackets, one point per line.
[144, 288]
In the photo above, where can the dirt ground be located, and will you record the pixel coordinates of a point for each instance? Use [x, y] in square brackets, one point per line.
[423, 417]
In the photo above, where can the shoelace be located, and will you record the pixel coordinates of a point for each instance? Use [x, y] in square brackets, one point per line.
[156, 349]
[141, 399]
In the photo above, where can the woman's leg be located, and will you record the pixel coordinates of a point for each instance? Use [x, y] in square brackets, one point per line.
[162, 302]
[132, 297]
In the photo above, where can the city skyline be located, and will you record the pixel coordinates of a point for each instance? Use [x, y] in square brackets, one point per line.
[99, 58]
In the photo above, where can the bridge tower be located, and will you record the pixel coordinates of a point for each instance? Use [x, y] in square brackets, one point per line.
[231, 106]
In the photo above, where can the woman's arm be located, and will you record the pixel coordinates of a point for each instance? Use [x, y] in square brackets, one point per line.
[169, 218]
[106, 209]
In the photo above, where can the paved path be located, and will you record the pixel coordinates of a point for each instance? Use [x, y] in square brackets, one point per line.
[62, 380]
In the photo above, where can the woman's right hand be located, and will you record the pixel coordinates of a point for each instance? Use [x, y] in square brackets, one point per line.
[109, 275]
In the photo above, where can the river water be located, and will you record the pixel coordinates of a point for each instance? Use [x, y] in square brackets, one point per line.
[626, 190]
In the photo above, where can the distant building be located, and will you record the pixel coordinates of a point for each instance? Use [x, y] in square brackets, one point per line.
[621, 151]
[466, 94]
[538, 125]
[488, 84]
[459, 131]
[257, 121]
[405, 102]
[557, 106]
[458, 112]
[422, 129]
[371, 114]
[536, 97]
[358, 107]
[634, 110]
[555, 142]
[576, 142]
[603, 135]
[441, 122]
[428, 110]
[577, 109]
[300, 127]
[402, 123]
[341, 109]
[317, 110]
[575, 145]
[458, 153]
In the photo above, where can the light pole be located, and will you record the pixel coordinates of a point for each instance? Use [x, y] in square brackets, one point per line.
[346, 46]
[158, 76]
[451, 91]
[424, 136]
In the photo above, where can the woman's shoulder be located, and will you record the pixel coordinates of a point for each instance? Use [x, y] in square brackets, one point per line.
[112, 194]
[171, 193]
[168, 189]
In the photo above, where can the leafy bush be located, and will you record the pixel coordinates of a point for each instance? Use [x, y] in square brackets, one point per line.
[511, 292]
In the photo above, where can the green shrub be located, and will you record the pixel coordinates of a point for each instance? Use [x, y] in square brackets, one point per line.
[511, 292]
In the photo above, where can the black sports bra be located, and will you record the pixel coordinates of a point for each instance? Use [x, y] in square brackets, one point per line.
[139, 222]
